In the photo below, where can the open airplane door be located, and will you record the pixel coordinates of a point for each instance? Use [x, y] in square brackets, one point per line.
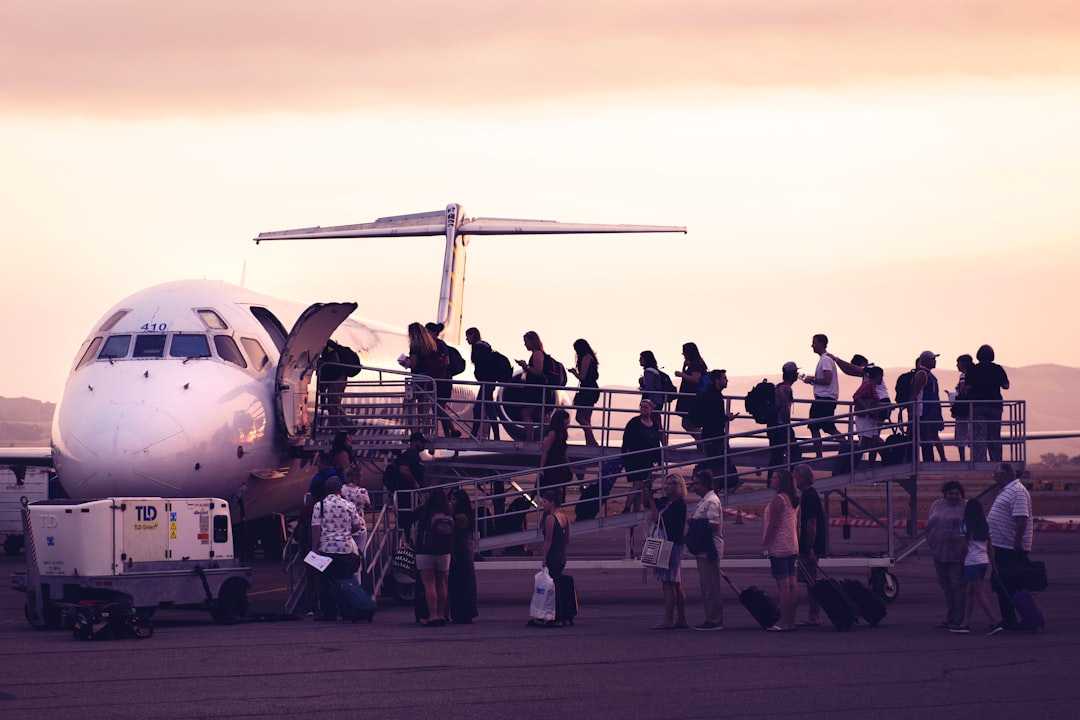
[298, 359]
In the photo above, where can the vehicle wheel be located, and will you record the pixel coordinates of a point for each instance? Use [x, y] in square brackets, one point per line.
[232, 602]
[13, 544]
[885, 584]
[405, 593]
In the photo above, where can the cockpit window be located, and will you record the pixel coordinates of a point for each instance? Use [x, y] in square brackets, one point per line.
[228, 350]
[212, 320]
[116, 346]
[113, 319]
[149, 346]
[255, 351]
[90, 352]
[189, 346]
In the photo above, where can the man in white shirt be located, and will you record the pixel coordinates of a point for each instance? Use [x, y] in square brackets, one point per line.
[826, 384]
[710, 511]
[1010, 531]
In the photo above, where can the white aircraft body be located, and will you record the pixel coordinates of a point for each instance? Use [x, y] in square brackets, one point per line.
[193, 388]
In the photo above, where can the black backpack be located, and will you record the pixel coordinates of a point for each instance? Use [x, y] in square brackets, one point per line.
[501, 369]
[665, 382]
[903, 386]
[347, 356]
[457, 363]
[554, 372]
[761, 402]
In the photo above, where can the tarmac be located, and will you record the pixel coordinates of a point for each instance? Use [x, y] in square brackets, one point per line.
[610, 664]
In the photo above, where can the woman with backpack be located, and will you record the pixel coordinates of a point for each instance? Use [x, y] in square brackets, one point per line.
[534, 375]
[434, 528]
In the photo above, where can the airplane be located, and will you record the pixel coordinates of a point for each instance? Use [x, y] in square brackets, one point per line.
[198, 388]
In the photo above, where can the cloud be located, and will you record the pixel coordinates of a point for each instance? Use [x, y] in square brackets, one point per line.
[133, 58]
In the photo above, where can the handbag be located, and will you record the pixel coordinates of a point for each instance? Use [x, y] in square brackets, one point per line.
[542, 606]
[656, 552]
[405, 560]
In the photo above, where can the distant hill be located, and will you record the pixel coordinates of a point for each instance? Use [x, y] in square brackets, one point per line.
[25, 422]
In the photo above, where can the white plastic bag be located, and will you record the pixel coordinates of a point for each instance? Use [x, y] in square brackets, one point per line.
[543, 599]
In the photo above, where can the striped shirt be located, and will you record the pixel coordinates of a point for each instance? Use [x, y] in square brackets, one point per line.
[1012, 502]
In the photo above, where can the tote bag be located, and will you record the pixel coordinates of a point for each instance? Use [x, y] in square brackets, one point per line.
[656, 552]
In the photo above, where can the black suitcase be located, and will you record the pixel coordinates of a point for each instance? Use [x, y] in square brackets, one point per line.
[353, 601]
[588, 505]
[896, 450]
[841, 609]
[871, 605]
[566, 602]
[761, 607]
[1024, 575]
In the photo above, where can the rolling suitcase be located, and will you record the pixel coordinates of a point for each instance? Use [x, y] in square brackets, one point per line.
[353, 601]
[1024, 603]
[762, 607]
[842, 612]
[871, 605]
[566, 602]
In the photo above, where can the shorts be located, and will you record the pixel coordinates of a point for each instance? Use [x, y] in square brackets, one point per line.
[822, 408]
[439, 563]
[783, 567]
[975, 573]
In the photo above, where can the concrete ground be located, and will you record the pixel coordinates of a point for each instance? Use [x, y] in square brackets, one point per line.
[609, 665]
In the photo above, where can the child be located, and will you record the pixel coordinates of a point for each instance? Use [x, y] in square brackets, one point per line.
[977, 559]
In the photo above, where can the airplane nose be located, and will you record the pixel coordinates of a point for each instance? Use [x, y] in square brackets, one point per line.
[114, 451]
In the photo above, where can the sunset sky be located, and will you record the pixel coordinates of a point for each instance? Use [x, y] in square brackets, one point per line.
[901, 175]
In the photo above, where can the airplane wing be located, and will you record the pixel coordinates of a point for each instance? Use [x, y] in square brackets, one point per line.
[435, 223]
[26, 457]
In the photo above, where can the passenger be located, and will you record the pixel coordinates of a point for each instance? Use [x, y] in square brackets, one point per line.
[650, 383]
[342, 441]
[976, 560]
[826, 392]
[813, 535]
[693, 369]
[642, 433]
[358, 495]
[710, 413]
[865, 401]
[405, 473]
[553, 452]
[423, 359]
[960, 408]
[487, 373]
[556, 528]
[444, 387]
[1010, 533]
[709, 512]
[944, 537]
[587, 372]
[669, 516]
[533, 372]
[331, 385]
[986, 380]
[461, 584]
[433, 549]
[333, 522]
[784, 451]
[927, 397]
[780, 543]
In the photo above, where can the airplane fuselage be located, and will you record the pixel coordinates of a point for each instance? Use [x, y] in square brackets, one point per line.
[174, 394]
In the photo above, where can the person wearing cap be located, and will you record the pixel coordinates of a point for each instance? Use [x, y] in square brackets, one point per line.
[333, 522]
[826, 392]
[927, 397]
[783, 451]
